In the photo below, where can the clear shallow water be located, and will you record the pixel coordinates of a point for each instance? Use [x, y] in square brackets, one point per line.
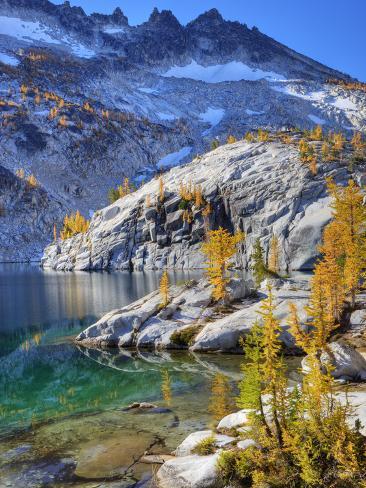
[61, 407]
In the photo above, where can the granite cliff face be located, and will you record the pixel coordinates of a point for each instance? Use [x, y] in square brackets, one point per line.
[86, 100]
[260, 188]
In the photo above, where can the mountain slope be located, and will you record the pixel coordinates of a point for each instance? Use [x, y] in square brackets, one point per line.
[88, 100]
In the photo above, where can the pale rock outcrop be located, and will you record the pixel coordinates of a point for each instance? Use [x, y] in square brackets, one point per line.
[260, 188]
[143, 324]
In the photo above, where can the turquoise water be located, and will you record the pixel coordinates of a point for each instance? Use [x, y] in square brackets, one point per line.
[62, 421]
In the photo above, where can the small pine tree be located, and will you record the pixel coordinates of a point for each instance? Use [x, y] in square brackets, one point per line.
[349, 213]
[198, 198]
[20, 173]
[274, 255]
[313, 167]
[32, 182]
[249, 137]
[317, 133]
[164, 289]
[74, 224]
[161, 190]
[215, 144]
[258, 265]
[219, 249]
[231, 139]
[263, 135]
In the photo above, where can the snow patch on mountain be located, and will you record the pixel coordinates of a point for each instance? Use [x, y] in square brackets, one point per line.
[10, 60]
[212, 116]
[344, 104]
[25, 30]
[173, 159]
[114, 30]
[33, 32]
[165, 116]
[233, 71]
[316, 119]
[253, 112]
[147, 90]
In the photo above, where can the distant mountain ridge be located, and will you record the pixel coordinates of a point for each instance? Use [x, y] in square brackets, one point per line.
[87, 100]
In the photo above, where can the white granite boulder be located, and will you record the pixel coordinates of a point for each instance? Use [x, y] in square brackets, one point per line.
[190, 472]
[188, 445]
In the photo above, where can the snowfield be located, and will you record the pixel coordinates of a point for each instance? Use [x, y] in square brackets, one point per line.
[212, 116]
[316, 119]
[10, 60]
[114, 30]
[173, 159]
[233, 71]
[36, 32]
[25, 30]
[165, 116]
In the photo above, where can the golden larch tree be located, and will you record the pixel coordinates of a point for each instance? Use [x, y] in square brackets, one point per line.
[220, 248]
[164, 289]
[274, 255]
[349, 213]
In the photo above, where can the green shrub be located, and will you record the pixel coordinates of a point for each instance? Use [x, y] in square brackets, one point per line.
[205, 447]
[235, 465]
[184, 204]
[185, 336]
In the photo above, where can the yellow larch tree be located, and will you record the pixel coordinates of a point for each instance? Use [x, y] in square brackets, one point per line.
[220, 248]
[349, 213]
[74, 224]
[32, 181]
[198, 198]
[164, 289]
[317, 133]
[274, 255]
[231, 139]
[263, 135]
[161, 190]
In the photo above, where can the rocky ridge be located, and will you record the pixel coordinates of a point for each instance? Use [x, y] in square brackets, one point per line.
[158, 93]
[259, 188]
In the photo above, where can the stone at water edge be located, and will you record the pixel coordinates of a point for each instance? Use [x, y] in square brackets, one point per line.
[190, 472]
[190, 442]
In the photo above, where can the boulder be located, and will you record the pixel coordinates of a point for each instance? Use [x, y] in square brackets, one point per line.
[190, 442]
[245, 444]
[234, 420]
[190, 472]
[348, 363]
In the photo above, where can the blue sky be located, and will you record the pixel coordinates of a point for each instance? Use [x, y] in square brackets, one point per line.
[330, 31]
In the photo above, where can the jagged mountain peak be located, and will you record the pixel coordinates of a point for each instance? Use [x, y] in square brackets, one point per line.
[116, 18]
[211, 16]
[164, 17]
